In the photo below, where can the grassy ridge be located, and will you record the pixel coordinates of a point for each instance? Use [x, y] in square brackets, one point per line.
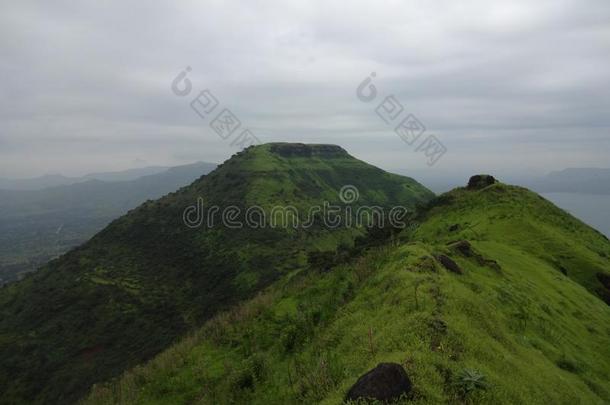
[518, 217]
[534, 334]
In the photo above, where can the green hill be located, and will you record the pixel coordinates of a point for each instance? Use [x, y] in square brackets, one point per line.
[147, 278]
[493, 298]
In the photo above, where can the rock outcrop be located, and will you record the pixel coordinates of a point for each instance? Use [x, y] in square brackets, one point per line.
[307, 150]
[480, 181]
[449, 264]
[386, 382]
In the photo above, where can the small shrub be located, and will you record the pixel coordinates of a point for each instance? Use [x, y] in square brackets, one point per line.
[469, 380]
[294, 334]
[252, 371]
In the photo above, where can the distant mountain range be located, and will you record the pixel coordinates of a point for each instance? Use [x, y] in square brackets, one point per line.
[37, 225]
[53, 180]
[574, 180]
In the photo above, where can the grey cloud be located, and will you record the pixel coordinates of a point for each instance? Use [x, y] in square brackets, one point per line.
[85, 86]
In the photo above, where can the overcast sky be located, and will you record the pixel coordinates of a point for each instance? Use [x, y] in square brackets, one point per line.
[505, 85]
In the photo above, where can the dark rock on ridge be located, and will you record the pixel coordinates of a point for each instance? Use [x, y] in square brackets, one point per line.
[464, 247]
[480, 181]
[386, 382]
[449, 264]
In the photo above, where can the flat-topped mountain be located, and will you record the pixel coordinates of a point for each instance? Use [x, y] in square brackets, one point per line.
[149, 277]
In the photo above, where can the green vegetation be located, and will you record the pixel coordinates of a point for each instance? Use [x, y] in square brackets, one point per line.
[494, 296]
[39, 225]
[522, 324]
[468, 381]
[147, 279]
[515, 216]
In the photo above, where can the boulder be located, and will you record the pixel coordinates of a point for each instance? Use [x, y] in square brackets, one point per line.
[480, 181]
[464, 247]
[449, 264]
[386, 382]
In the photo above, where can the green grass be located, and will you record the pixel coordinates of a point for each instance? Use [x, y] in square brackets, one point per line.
[516, 330]
[518, 217]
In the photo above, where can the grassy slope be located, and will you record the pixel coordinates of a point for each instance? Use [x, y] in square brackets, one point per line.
[147, 278]
[537, 335]
[518, 217]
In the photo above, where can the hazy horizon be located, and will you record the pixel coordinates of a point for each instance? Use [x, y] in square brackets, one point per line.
[414, 172]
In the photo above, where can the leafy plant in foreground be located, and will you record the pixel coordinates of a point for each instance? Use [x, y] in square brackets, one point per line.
[469, 380]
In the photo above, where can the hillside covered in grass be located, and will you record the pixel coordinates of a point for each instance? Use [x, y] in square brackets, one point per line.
[496, 297]
[148, 278]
